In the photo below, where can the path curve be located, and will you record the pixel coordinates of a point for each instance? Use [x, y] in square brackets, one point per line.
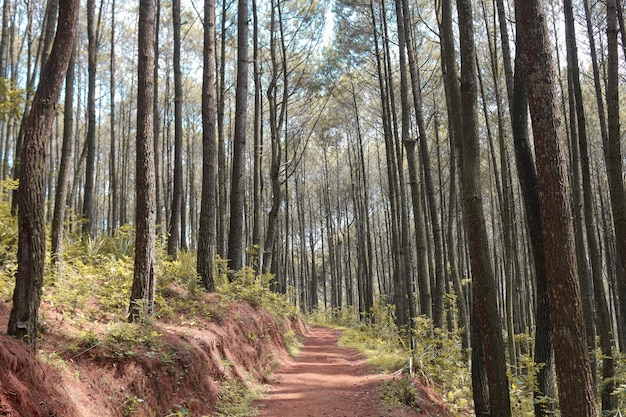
[326, 380]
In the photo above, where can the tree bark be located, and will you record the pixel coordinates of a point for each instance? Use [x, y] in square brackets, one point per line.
[455, 127]
[23, 319]
[529, 185]
[89, 200]
[612, 148]
[237, 189]
[576, 393]
[483, 280]
[144, 278]
[423, 276]
[207, 233]
[174, 238]
[60, 198]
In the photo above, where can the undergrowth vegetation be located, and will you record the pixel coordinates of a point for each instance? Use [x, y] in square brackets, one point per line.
[89, 289]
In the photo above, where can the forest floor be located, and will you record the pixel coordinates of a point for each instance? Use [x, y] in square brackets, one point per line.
[328, 380]
[91, 364]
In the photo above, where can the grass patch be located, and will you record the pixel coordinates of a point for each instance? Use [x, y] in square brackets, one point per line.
[236, 400]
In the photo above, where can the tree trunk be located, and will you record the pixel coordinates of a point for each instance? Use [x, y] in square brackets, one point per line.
[207, 233]
[23, 319]
[221, 140]
[576, 393]
[612, 148]
[455, 127]
[527, 175]
[275, 122]
[258, 143]
[174, 238]
[483, 280]
[89, 199]
[144, 278]
[423, 277]
[158, 177]
[113, 188]
[60, 198]
[237, 189]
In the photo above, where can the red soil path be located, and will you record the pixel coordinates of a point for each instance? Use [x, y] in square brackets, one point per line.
[326, 380]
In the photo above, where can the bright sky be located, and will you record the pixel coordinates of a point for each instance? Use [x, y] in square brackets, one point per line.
[329, 24]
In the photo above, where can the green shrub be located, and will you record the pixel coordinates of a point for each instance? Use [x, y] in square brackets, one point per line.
[248, 287]
[236, 400]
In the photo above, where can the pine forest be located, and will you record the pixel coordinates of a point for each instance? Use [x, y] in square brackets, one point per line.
[441, 179]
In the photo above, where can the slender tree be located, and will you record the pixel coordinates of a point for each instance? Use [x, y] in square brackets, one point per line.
[60, 198]
[527, 174]
[174, 238]
[113, 163]
[89, 199]
[483, 280]
[576, 393]
[207, 233]
[144, 278]
[237, 189]
[31, 243]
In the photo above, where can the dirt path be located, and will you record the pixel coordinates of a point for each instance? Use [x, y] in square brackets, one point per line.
[326, 380]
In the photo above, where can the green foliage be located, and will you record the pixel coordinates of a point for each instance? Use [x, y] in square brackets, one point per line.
[131, 334]
[400, 391]
[438, 357]
[131, 404]
[181, 272]
[248, 287]
[236, 400]
[11, 100]
[292, 342]
[8, 240]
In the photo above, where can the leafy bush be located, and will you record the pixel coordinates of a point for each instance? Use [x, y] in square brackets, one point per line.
[254, 289]
[236, 400]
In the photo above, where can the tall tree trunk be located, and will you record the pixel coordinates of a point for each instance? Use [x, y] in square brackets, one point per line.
[527, 175]
[144, 278]
[596, 285]
[89, 199]
[621, 287]
[612, 148]
[60, 198]
[258, 143]
[23, 319]
[455, 128]
[423, 276]
[576, 393]
[158, 177]
[398, 295]
[174, 238]
[237, 189]
[503, 188]
[439, 281]
[221, 139]
[113, 187]
[484, 285]
[275, 122]
[207, 233]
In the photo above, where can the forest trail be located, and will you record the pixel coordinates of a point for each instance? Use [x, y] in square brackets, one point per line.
[326, 380]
